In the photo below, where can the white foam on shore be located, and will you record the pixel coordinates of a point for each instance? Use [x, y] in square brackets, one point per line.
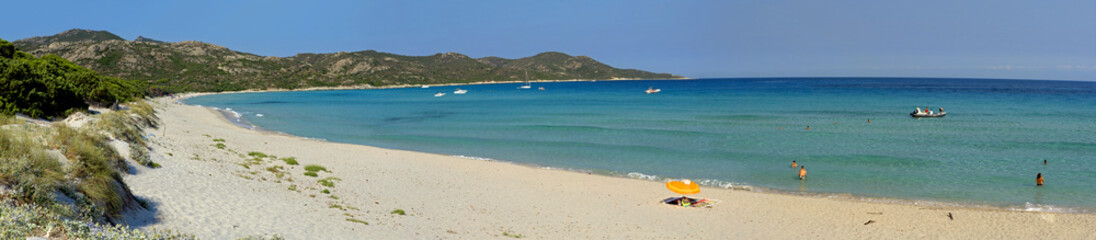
[637, 175]
[475, 158]
[1032, 207]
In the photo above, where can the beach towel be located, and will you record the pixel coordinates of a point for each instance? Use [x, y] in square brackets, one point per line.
[700, 203]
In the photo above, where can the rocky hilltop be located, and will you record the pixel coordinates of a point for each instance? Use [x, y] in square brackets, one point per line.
[199, 66]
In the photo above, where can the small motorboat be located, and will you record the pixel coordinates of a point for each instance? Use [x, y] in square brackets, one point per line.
[919, 113]
[439, 94]
[652, 90]
[460, 91]
[925, 114]
[425, 86]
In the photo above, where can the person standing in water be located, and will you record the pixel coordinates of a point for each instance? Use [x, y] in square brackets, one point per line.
[803, 173]
[794, 164]
[1039, 179]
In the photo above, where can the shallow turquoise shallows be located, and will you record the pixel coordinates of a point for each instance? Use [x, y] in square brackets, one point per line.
[732, 132]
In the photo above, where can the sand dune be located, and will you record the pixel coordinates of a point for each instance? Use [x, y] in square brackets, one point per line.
[205, 190]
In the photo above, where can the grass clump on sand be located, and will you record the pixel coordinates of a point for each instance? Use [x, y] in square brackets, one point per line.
[315, 168]
[357, 221]
[30, 173]
[325, 191]
[218, 140]
[89, 177]
[398, 212]
[263, 237]
[220, 146]
[257, 154]
[127, 126]
[24, 221]
[513, 235]
[311, 174]
[329, 181]
[290, 160]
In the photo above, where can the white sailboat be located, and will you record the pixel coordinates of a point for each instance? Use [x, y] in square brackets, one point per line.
[439, 94]
[526, 86]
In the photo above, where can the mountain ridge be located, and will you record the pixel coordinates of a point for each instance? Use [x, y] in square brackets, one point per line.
[199, 66]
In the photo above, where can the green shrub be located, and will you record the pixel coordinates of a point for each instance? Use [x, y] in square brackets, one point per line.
[220, 145]
[310, 174]
[325, 191]
[329, 181]
[290, 160]
[315, 168]
[398, 212]
[257, 154]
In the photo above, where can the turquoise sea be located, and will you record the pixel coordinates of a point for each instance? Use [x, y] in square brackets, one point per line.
[739, 132]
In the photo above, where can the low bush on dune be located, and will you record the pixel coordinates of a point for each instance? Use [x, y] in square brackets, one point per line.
[290, 160]
[328, 182]
[30, 173]
[22, 221]
[257, 154]
[314, 168]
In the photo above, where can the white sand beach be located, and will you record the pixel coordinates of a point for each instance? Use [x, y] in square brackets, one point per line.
[205, 190]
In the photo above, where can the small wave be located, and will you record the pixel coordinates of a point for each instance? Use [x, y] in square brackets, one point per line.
[1032, 207]
[637, 175]
[259, 115]
[476, 158]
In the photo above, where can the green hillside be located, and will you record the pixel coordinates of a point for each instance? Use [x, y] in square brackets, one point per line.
[198, 66]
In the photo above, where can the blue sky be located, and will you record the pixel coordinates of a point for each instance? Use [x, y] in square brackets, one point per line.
[701, 39]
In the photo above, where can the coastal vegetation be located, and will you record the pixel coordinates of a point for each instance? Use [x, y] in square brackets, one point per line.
[51, 86]
[197, 66]
[67, 181]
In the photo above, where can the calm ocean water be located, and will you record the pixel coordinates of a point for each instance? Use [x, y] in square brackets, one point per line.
[732, 132]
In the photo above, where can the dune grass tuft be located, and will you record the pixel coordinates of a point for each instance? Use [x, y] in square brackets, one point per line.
[311, 174]
[398, 212]
[30, 173]
[357, 221]
[257, 154]
[290, 160]
[315, 168]
[329, 181]
[513, 235]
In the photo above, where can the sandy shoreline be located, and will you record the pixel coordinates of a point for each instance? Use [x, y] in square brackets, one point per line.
[206, 190]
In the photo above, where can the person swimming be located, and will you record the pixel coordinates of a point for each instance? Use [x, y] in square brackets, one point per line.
[794, 164]
[803, 173]
[1039, 179]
